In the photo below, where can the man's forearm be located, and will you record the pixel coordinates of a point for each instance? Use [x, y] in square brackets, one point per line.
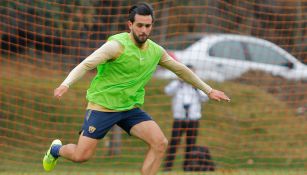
[190, 77]
[77, 73]
[184, 73]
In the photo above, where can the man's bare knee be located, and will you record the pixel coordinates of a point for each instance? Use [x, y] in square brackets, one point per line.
[164, 144]
[80, 158]
[160, 145]
[84, 150]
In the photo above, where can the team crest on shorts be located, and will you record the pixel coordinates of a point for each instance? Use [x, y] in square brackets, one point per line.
[91, 129]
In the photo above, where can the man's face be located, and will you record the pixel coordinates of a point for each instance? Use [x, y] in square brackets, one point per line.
[141, 28]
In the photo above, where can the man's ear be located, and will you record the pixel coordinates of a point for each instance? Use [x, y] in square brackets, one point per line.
[130, 25]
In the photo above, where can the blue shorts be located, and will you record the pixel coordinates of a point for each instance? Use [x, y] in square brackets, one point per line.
[97, 124]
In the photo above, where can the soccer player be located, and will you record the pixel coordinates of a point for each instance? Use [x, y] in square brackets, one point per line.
[125, 63]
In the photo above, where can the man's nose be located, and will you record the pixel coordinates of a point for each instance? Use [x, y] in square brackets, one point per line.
[143, 28]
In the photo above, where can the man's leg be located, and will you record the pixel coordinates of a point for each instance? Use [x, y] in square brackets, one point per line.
[81, 152]
[76, 153]
[96, 125]
[192, 133]
[172, 148]
[150, 132]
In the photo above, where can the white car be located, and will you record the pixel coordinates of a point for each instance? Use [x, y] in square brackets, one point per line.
[222, 57]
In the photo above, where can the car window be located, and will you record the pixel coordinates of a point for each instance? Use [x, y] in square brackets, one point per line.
[228, 49]
[263, 54]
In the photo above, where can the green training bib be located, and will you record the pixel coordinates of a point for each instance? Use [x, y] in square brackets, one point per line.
[119, 84]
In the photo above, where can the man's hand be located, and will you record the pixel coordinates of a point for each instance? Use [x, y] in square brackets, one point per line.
[58, 92]
[218, 95]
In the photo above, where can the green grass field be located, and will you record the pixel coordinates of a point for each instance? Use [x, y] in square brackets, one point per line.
[239, 172]
[255, 127]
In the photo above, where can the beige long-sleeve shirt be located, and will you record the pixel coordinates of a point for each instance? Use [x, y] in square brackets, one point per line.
[113, 49]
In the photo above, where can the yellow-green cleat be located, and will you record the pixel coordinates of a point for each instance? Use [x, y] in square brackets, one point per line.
[49, 161]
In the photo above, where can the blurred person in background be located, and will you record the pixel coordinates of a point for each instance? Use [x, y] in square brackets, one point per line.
[186, 107]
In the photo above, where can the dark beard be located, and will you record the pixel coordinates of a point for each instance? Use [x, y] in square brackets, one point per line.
[138, 41]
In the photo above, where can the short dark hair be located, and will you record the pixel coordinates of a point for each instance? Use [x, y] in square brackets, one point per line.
[142, 8]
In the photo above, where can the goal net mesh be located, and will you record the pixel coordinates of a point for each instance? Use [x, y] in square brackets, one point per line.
[264, 128]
